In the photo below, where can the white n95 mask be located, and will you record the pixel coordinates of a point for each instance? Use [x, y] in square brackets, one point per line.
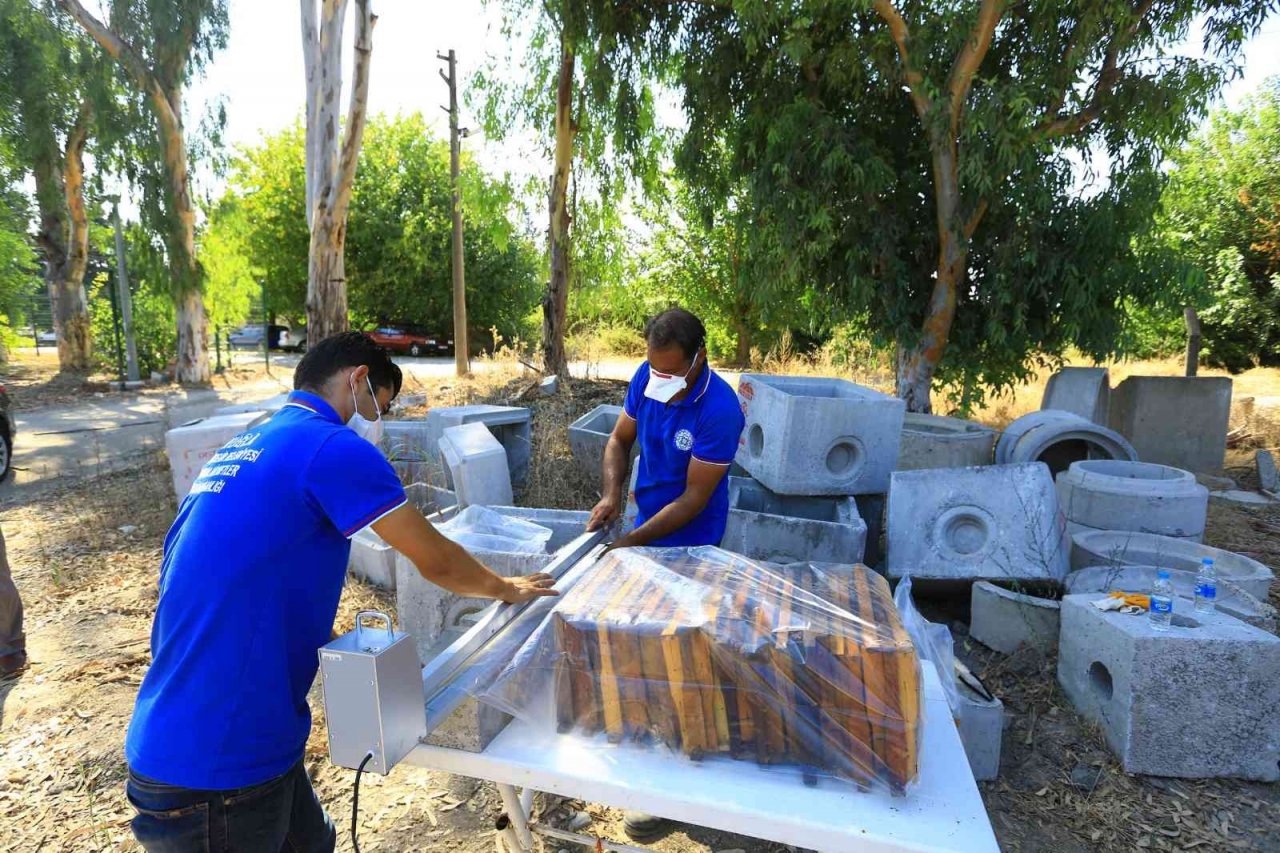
[663, 386]
[370, 431]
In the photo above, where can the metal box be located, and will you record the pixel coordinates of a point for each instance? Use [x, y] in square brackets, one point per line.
[372, 682]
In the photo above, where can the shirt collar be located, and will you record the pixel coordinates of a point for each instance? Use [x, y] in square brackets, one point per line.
[695, 394]
[312, 403]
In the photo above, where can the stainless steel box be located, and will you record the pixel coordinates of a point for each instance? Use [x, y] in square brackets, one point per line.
[373, 703]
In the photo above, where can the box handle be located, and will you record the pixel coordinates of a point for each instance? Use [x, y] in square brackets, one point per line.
[375, 614]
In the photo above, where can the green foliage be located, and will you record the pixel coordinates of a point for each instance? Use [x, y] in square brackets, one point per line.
[19, 280]
[398, 232]
[1220, 215]
[799, 109]
[231, 285]
[154, 325]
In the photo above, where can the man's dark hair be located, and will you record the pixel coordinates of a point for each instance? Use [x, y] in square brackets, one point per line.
[346, 349]
[676, 326]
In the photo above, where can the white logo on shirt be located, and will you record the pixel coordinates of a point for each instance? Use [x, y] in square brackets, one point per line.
[684, 439]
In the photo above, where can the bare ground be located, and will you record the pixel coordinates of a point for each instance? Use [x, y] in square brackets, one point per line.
[89, 589]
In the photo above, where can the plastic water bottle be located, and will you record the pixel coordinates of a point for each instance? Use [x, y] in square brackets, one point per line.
[1162, 601]
[1206, 586]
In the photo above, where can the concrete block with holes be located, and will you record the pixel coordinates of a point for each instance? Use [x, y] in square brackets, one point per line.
[817, 436]
[1199, 700]
[511, 425]
[764, 525]
[995, 522]
[430, 613]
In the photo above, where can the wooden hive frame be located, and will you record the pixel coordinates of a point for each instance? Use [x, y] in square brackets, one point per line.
[791, 665]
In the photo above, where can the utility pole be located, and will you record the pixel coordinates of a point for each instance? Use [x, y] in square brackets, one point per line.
[461, 353]
[126, 302]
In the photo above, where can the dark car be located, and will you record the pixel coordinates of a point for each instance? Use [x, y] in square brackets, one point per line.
[250, 337]
[409, 339]
[8, 428]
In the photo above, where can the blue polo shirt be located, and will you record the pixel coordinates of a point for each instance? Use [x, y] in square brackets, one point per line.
[249, 584]
[704, 425]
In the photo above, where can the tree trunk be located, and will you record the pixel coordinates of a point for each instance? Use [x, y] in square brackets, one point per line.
[917, 364]
[555, 303]
[192, 334]
[326, 281]
[330, 166]
[742, 355]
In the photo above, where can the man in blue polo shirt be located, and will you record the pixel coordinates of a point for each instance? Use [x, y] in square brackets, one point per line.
[688, 421]
[249, 584]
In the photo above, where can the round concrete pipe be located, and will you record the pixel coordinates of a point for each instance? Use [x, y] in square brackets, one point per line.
[1083, 391]
[1112, 494]
[932, 441]
[1004, 620]
[1126, 548]
[1231, 599]
[1059, 438]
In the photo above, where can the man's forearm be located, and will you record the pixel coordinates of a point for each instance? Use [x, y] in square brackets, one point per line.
[615, 467]
[669, 519]
[461, 573]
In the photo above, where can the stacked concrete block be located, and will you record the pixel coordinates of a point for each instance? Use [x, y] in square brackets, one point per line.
[430, 613]
[1109, 494]
[1083, 391]
[271, 405]
[477, 465]
[1005, 620]
[194, 443]
[409, 447]
[1231, 599]
[511, 425]
[1059, 438]
[589, 434]
[1197, 701]
[1174, 420]
[777, 528]
[999, 522]
[871, 508]
[932, 441]
[430, 499]
[1124, 548]
[810, 436]
[980, 722]
[373, 559]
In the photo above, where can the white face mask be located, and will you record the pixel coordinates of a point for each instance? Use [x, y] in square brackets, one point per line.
[370, 431]
[662, 386]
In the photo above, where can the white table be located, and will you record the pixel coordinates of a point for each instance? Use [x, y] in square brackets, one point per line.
[942, 811]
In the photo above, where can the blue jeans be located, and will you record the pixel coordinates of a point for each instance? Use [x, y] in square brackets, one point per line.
[281, 814]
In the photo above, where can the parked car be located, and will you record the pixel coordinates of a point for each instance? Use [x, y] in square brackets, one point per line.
[297, 341]
[8, 429]
[410, 340]
[250, 337]
[47, 339]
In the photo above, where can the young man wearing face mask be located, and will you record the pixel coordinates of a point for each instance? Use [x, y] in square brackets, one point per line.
[252, 571]
[688, 421]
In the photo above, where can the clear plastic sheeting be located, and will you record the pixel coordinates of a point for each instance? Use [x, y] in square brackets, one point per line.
[710, 654]
[479, 528]
[933, 642]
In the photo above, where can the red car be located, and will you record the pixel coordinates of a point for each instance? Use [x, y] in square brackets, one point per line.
[409, 340]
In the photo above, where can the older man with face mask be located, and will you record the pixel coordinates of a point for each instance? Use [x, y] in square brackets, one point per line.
[249, 584]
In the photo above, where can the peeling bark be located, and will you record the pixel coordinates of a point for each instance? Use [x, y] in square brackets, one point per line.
[555, 303]
[332, 153]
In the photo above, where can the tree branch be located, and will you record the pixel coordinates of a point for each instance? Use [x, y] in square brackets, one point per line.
[970, 58]
[1108, 75]
[898, 30]
[357, 112]
[73, 186]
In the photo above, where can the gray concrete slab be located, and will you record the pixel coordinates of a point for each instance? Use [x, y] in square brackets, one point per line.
[777, 528]
[998, 522]
[477, 465]
[818, 436]
[981, 725]
[932, 441]
[1175, 420]
[1231, 599]
[1006, 620]
[372, 559]
[1200, 700]
[511, 425]
[1109, 494]
[589, 434]
[1268, 476]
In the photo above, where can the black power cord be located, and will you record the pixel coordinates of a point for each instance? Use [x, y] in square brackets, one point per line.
[355, 802]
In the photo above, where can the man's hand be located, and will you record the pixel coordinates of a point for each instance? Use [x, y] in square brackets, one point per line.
[528, 587]
[605, 513]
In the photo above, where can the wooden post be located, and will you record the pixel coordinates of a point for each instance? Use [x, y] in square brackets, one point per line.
[461, 353]
[1193, 340]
